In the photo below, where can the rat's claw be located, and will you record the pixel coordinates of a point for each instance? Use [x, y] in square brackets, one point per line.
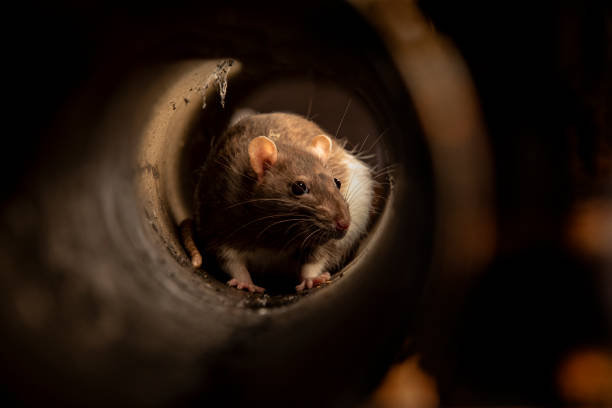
[322, 278]
[309, 283]
[306, 283]
[245, 285]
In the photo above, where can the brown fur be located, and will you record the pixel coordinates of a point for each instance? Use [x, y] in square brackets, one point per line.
[232, 208]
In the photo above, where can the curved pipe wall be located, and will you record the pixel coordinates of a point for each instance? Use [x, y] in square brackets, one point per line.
[100, 303]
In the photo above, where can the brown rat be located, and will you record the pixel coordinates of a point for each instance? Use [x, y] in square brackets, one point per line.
[276, 186]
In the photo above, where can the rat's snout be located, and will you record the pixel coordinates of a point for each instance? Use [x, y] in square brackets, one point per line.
[342, 224]
[341, 220]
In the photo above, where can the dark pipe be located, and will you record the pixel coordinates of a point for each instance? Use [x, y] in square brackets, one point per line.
[99, 305]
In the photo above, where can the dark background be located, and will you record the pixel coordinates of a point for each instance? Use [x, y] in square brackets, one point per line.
[543, 71]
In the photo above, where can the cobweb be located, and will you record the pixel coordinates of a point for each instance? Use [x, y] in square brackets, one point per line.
[218, 77]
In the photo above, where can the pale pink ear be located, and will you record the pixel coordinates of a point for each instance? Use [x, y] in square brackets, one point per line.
[321, 145]
[262, 152]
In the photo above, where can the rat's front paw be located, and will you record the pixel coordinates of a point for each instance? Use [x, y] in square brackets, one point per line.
[245, 286]
[310, 282]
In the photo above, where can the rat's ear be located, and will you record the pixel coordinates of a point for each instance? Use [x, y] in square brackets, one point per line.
[262, 151]
[321, 145]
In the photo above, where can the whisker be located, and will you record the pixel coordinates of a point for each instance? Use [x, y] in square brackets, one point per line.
[287, 201]
[258, 220]
[365, 155]
[308, 237]
[307, 231]
[377, 169]
[303, 244]
[350, 191]
[293, 225]
[356, 151]
[343, 116]
[279, 222]
[309, 107]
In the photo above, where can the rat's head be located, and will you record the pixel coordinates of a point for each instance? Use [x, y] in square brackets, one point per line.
[298, 192]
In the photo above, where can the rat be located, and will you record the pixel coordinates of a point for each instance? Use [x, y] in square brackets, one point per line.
[276, 186]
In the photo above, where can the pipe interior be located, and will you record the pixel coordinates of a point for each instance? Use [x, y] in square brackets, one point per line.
[177, 140]
[91, 246]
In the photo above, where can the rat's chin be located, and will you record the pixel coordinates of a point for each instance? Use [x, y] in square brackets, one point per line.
[332, 233]
[338, 234]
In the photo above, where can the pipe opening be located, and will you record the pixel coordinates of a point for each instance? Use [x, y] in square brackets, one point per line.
[198, 107]
[95, 240]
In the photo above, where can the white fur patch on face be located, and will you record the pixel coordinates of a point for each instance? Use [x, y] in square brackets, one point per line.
[359, 190]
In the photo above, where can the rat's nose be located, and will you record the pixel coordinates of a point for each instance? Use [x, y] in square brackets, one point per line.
[342, 224]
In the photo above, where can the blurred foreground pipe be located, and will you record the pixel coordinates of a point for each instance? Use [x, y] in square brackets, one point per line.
[448, 109]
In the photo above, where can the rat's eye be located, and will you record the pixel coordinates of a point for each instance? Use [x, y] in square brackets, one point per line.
[338, 183]
[299, 188]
